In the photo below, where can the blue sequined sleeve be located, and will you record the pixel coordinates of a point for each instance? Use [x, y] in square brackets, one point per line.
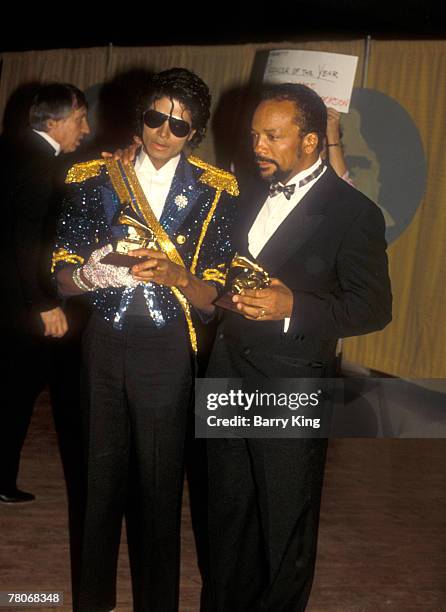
[82, 226]
[218, 248]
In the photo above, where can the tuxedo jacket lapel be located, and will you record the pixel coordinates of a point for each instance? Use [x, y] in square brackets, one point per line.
[297, 228]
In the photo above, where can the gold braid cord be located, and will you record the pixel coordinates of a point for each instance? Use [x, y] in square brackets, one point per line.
[204, 229]
[214, 274]
[66, 256]
[220, 180]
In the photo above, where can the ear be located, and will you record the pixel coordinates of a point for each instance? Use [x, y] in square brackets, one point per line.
[191, 135]
[50, 124]
[310, 143]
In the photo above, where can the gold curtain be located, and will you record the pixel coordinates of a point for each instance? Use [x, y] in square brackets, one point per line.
[414, 344]
[82, 67]
[412, 72]
[223, 68]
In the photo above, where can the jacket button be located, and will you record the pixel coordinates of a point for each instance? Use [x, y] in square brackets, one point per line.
[247, 351]
[181, 239]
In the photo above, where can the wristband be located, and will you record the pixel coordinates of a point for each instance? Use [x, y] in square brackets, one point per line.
[77, 280]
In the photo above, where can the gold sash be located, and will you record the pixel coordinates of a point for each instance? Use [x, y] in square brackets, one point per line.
[133, 194]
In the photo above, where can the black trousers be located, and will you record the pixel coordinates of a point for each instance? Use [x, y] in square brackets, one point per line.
[264, 501]
[137, 386]
[33, 362]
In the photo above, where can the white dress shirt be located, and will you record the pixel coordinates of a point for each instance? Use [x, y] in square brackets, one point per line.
[51, 141]
[155, 183]
[274, 212]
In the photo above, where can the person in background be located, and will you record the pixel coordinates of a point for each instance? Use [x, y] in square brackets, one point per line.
[334, 151]
[39, 329]
[32, 316]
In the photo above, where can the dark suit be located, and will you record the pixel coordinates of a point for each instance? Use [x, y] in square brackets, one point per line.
[265, 493]
[28, 188]
[32, 177]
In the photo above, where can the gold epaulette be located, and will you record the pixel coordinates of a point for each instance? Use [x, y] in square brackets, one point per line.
[81, 172]
[215, 177]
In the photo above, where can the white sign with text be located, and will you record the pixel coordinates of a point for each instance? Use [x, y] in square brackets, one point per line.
[331, 75]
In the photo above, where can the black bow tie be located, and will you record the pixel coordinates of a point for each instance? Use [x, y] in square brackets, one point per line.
[288, 190]
[277, 187]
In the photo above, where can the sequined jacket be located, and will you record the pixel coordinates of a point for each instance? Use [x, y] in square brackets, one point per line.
[198, 217]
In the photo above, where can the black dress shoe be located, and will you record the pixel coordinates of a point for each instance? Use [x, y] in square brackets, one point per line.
[15, 496]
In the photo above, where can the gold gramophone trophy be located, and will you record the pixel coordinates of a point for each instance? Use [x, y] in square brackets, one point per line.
[139, 236]
[243, 274]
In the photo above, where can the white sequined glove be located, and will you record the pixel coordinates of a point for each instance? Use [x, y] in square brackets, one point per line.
[102, 276]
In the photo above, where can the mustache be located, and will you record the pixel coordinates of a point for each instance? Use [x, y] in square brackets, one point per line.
[265, 159]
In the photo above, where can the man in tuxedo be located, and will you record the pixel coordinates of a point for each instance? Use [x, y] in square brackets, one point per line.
[32, 318]
[323, 244]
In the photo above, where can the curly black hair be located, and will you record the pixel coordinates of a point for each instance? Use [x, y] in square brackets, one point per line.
[186, 87]
[311, 112]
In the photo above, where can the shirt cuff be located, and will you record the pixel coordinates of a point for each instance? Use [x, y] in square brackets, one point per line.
[286, 324]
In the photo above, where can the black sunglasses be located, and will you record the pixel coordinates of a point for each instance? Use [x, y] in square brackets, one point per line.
[154, 119]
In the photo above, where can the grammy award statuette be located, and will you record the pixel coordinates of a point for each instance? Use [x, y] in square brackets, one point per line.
[243, 274]
[139, 236]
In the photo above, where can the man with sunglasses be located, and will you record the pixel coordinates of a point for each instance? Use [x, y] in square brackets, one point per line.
[140, 342]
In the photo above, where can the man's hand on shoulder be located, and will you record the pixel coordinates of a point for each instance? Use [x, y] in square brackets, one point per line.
[126, 155]
[272, 304]
[54, 322]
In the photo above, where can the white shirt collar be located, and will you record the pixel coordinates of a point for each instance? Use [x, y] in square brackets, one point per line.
[166, 173]
[304, 173]
[51, 141]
